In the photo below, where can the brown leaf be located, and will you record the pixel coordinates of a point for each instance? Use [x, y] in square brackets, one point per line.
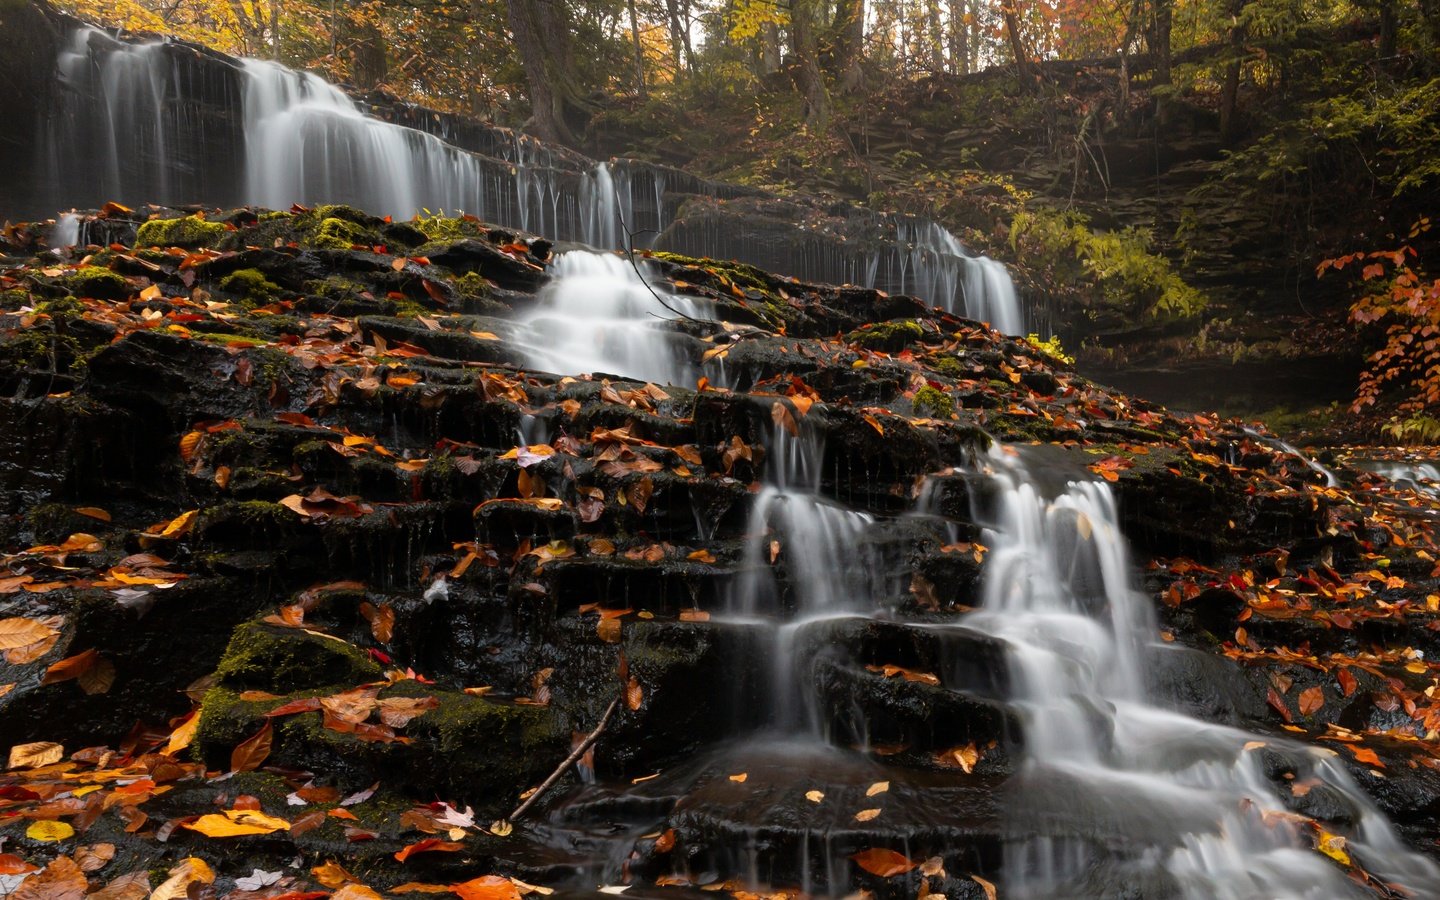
[1346, 679]
[132, 886]
[634, 694]
[34, 755]
[1311, 699]
[251, 752]
[95, 857]
[305, 704]
[61, 880]
[986, 886]
[21, 632]
[352, 706]
[397, 712]
[882, 862]
[71, 667]
[381, 619]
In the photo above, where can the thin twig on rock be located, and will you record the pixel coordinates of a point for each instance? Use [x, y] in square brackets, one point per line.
[575, 754]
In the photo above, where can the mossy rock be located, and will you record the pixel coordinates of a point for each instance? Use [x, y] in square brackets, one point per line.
[279, 659]
[467, 748]
[250, 284]
[887, 336]
[98, 283]
[936, 404]
[183, 231]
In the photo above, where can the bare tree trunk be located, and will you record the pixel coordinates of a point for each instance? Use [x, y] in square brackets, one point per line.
[542, 38]
[770, 49]
[809, 78]
[1010, 10]
[640, 86]
[849, 44]
[934, 37]
[677, 45]
[1388, 29]
[275, 29]
[1230, 89]
[368, 65]
[959, 31]
[1159, 40]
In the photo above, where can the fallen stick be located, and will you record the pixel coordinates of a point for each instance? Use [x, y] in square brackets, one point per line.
[575, 754]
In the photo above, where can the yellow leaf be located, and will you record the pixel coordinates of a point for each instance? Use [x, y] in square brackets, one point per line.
[866, 815]
[49, 831]
[237, 822]
[181, 737]
[1333, 846]
[331, 874]
[878, 787]
[35, 755]
[740, 778]
[814, 796]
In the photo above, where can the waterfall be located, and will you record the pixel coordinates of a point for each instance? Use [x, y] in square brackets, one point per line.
[818, 547]
[598, 316]
[164, 122]
[1416, 476]
[1187, 802]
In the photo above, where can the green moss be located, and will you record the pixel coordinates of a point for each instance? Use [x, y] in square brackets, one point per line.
[336, 234]
[472, 286]
[250, 284]
[98, 283]
[948, 366]
[185, 231]
[936, 404]
[280, 660]
[887, 336]
[442, 228]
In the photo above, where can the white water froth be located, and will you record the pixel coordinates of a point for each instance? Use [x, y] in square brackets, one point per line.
[1105, 765]
[597, 315]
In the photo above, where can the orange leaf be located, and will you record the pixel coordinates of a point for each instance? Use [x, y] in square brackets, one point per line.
[882, 862]
[1311, 699]
[71, 667]
[1366, 755]
[487, 887]
[251, 752]
[428, 845]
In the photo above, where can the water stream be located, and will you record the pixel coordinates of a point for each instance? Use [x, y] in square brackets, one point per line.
[1114, 788]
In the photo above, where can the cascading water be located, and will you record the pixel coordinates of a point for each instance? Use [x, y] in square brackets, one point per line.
[1418, 476]
[597, 315]
[1330, 479]
[163, 122]
[1114, 789]
[819, 544]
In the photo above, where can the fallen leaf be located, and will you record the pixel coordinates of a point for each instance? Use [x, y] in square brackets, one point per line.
[251, 752]
[191, 870]
[866, 815]
[332, 874]
[35, 755]
[21, 632]
[814, 796]
[740, 778]
[985, 885]
[1311, 699]
[49, 831]
[237, 823]
[882, 862]
[878, 787]
[487, 887]
[428, 845]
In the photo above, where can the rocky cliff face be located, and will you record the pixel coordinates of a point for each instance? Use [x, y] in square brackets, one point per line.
[289, 489]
